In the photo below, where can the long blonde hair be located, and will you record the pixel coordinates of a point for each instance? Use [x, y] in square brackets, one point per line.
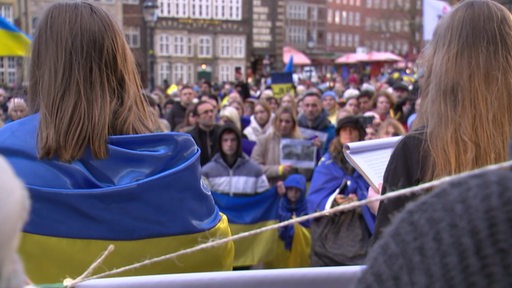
[467, 97]
[83, 82]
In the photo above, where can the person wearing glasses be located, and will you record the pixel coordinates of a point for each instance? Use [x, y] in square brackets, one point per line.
[206, 131]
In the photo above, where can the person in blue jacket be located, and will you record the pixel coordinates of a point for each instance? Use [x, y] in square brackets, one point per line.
[93, 167]
[292, 204]
[341, 238]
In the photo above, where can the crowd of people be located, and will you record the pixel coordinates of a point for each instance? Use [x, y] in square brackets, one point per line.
[463, 123]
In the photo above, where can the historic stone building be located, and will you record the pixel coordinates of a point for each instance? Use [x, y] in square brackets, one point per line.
[196, 40]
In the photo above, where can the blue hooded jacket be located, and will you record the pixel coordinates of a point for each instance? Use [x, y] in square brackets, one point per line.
[327, 177]
[286, 209]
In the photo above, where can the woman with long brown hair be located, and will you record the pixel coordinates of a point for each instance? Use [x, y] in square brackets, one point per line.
[91, 165]
[465, 118]
[267, 150]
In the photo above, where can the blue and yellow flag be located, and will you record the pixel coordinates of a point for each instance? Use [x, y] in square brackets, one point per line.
[146, 198]
[13, 42]
[248, 213]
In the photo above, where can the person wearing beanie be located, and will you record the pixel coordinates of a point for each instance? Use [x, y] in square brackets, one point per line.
[350, 100]
[231, 171]
[341, 238]
[329, 104]
[456, 236]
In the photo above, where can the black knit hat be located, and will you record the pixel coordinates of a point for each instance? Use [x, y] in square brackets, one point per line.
[352, 122]
[459, 235]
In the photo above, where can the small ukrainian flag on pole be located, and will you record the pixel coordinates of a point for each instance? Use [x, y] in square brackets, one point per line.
[13, 41]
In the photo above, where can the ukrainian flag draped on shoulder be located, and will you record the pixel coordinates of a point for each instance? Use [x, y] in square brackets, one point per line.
[13, 42]
[146, 198]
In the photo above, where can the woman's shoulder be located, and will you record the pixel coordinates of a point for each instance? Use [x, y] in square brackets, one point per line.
[412, 142]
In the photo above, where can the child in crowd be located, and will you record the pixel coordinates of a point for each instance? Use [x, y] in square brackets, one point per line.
[292, 204]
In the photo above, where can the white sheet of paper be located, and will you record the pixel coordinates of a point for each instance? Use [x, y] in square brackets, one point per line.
[371, 157]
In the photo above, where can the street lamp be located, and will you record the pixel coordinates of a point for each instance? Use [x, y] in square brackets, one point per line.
[150, 12]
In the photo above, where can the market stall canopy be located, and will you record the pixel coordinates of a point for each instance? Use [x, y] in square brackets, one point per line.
[350, 58]
[299, 58]
[382, 57]
[373, 56]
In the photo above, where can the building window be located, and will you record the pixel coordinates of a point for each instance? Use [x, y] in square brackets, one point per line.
[239, 47]
[368, 24]
[328, 39]
[296, 34]
[344, 18]
[398, 24]
[297, 11]
[337, 18]
[179, 45]
[204, 46]
[235, 10]
[391, 24]
[350, 18]
[227, 9]
[329, 15]
[369, 3]
[132, 35]
[314, 14]
[181, 8]
[182, 73]
[130, 1]
[164, 44]
[356, 40]
[164, 8]
[164, 72]
[225, 73]
[8, 73]
[349, 40]
[201, 9]
[343, 40]
[224, 47]
[407, 5]
[357, 20]
[218, 12]
[6, 11]
[406, 26]
[336, 39]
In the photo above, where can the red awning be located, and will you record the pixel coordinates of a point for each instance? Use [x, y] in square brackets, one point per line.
[299, 58]
[350, 58]
[383, 57]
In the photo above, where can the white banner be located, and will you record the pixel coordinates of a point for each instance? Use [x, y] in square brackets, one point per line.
[433, 10]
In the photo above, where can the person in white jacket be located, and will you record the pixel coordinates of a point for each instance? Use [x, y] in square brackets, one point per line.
[261, 122]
